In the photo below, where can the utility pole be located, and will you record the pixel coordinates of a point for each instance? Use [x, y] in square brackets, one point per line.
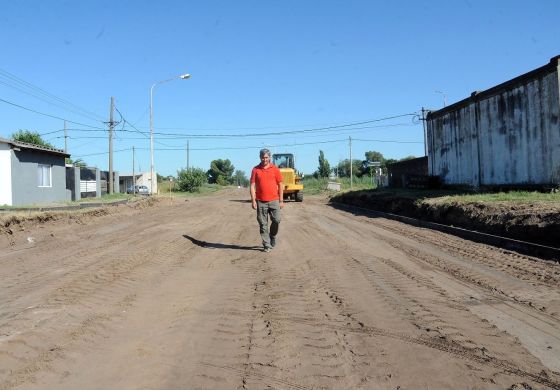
[111, 124]
[350, 144]
[188, 151]
[133, 173]
[65, 139]
[425, 133]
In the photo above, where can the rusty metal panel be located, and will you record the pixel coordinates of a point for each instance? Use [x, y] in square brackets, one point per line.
[510, 136]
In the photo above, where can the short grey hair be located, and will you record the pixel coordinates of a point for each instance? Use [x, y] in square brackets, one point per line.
[263, 152]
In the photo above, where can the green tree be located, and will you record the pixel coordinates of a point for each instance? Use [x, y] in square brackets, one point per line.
[391, 161]
[80, 163]
[373, 156]
[190, 180]
[31, 137]
[221, 172]
[240, 179]
[77, 163]
[343, 168]
[324, 166]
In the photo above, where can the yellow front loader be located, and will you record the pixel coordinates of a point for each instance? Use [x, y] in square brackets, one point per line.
[293, 189]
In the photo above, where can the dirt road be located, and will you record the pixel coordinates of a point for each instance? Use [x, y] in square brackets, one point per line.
[179, 296]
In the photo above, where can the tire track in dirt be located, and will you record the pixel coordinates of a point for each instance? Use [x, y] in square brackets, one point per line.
[339, 360]
[422, 315]
[70, 256]
[284, 285]
[505, 273]
[339, 303]
[454, 350]
[99, 285]
[525, 268]
[428, 315]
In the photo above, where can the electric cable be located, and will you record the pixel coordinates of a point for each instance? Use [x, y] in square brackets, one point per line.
[26, 84]
[47, 115]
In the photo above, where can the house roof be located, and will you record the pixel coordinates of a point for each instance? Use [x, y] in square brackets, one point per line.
[25, 145]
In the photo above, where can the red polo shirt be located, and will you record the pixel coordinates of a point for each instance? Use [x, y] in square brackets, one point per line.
[266, 182]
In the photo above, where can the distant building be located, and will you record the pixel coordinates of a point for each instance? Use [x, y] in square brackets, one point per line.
[31, 174]
[142, 178]
[506, 135]
[411, 173]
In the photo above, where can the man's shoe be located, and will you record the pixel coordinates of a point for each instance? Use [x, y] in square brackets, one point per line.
[266, 249]
[273, 241]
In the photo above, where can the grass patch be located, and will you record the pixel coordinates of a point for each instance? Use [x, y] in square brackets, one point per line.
[449, 196]
[205, 189]
[512, 196]
[313, 186]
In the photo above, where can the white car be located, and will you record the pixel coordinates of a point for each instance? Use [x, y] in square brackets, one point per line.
[138, 189]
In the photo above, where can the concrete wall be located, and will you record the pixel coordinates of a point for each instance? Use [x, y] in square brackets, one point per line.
[5, 175]
[73, 183]
[507, 135]
[25, 188]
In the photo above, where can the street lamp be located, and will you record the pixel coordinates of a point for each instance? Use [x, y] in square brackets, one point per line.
[444, 97]
[181, 77]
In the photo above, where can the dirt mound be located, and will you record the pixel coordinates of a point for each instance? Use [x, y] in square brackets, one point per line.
[537, 222]
[21, 220]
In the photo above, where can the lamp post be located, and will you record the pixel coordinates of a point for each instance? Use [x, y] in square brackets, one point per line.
[182, 77]
[444, 97]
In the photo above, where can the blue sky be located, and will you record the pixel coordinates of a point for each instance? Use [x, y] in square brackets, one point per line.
[258, 67]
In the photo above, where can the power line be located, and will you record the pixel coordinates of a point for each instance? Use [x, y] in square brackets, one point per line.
[33, 90]
[314, 135]
[390, 141]
[100, 153]
[48, 102]
[47, 115]
[146, 135]
[282, 133]
[317, 129]
[342, 127]
[262, 127]
[255, 146]
[51, 132]
[290, 144]
[244, 147]
[184, 136]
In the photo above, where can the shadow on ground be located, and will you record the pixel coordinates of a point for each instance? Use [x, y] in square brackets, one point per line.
[218, 245]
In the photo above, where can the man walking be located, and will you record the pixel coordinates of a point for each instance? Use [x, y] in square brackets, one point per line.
[267, 198]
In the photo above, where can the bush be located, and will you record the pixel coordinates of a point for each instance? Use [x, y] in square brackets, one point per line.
[222, 180]
[190, 180]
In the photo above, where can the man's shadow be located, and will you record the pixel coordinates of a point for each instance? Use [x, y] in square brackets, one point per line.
[217, 245]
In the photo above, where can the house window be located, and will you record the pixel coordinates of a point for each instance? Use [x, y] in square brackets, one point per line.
[44, 175]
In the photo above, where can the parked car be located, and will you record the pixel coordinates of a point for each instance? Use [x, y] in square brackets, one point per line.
[138, 189]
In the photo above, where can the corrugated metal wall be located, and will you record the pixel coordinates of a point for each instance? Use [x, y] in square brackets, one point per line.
[508, 135]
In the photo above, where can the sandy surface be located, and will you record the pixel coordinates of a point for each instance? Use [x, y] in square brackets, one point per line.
[179, 296]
